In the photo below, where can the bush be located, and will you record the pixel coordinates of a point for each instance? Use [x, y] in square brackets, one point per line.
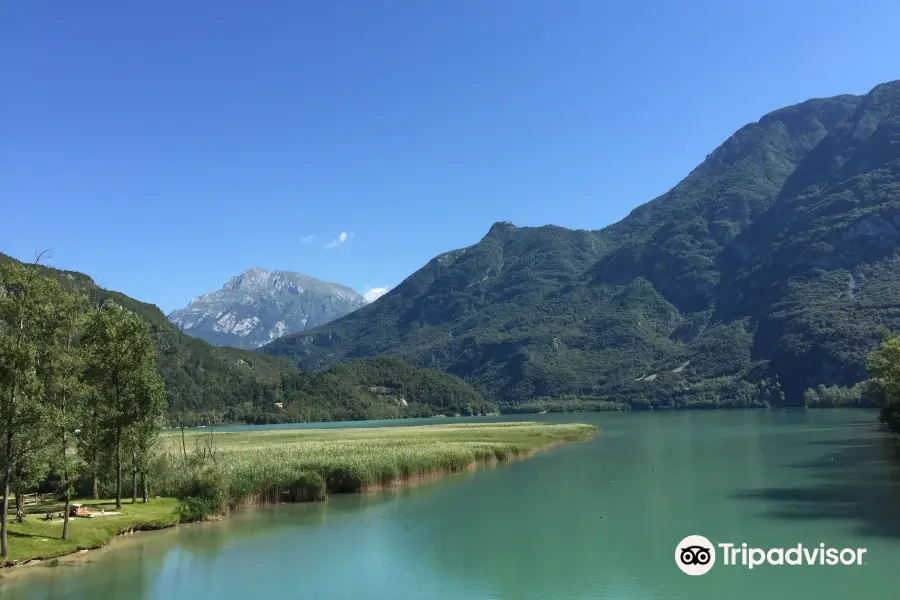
[203, 490]
[865, 394]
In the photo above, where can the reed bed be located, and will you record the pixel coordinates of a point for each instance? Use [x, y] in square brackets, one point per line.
[227, 470]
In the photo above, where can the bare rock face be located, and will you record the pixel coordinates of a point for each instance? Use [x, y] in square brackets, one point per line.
[259, 306]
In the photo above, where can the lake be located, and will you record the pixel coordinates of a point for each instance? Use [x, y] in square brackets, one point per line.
[600, 520]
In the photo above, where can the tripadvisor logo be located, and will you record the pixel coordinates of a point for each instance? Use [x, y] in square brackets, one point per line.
[696, 555]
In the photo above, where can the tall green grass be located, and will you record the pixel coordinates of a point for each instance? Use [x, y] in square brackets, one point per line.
[224, 471]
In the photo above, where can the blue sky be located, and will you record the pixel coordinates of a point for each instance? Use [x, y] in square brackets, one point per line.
[163, 147]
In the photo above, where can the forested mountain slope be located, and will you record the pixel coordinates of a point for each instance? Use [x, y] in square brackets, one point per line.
[197, 376]
[769, 269]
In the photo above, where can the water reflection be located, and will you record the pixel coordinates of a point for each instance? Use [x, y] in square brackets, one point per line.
[855, 479]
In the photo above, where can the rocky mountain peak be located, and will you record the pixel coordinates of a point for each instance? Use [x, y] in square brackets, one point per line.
[260, 305]
[251, 279]
[501, 229]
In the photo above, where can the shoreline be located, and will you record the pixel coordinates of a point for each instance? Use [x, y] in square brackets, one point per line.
[78, 557]
[340, 424]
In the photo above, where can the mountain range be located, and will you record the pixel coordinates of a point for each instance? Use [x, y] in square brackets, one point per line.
[770, 268]
[205, 383]
[259, 306]
[773, 267]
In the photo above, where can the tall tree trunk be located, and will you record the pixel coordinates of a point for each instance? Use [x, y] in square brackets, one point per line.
[95, 488]
[3, 519]
[68, 508]
[65, 482]
[133, 478]
[118, 468]
[7, 474]
[144, 486]
[183, 444]
[20, 507]
[65, 444]
[95, 485]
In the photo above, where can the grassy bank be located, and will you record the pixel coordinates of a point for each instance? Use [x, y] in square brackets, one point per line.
[224, 471]
[39, 539]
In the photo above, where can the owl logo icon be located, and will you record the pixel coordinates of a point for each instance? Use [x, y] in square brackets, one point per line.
[695, 555]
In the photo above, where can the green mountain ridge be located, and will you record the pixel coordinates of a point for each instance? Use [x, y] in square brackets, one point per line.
[769, 269]
[234, 385]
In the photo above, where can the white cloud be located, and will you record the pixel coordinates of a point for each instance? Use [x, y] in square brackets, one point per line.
[340, 239]
[307, 239]
[373, 294]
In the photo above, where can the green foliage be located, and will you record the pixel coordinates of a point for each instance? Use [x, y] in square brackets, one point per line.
[203, 490]
[65, 389]
[121, 366]
[26, 304]
[884, 365]
[63, 369]
[565, 404]
[375, 388]
[862, 395]
[121, 370]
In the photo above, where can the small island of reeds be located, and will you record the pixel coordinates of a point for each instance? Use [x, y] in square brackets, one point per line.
[214, 473]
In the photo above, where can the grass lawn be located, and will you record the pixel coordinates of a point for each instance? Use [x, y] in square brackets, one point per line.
[41, 539]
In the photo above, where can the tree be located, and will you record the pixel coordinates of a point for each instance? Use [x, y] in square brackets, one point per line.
[146, 423]
[31, 467]
[65, 390]
[143, 431]
[26, 300]
[122, 369]
[143, 438]
[884, 366]
[93, 439]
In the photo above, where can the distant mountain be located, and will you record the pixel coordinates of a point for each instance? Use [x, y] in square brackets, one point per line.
[259, 306]
[769, 269]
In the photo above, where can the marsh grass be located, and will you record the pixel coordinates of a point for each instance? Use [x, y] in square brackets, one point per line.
[238, 469]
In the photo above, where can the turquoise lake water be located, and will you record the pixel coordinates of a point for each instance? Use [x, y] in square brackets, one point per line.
[600, 520]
